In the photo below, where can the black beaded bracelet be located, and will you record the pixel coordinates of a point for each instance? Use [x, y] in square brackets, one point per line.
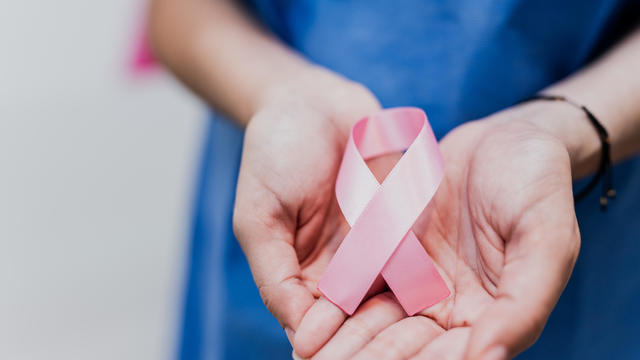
[605, 170]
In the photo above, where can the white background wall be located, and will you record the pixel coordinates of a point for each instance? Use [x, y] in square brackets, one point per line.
[96, 174]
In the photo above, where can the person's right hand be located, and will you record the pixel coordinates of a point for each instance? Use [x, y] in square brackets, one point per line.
[286, 217]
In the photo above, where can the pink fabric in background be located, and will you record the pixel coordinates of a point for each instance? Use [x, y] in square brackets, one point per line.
[142, 59]
[381, 215]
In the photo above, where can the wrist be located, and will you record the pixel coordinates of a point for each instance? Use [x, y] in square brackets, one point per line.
[341, 101]
[570, 126]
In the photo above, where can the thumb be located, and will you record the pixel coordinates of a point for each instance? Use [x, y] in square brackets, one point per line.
[266, 238]
[539, 258]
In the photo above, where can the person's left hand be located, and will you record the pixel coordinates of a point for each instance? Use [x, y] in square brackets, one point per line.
[504, 235]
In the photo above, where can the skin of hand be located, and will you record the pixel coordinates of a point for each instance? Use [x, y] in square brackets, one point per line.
[286, 217]
[503, 232]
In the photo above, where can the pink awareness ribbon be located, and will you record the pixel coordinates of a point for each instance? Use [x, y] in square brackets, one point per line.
[381, 215]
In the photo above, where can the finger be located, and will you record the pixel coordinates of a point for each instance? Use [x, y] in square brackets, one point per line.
[401, 340]
[448, 346]
[320, 322]
[538, 262]
[373, 316]
[267, 243]
[277, 275]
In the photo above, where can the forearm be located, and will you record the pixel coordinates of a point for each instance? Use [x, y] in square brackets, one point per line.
[218, 51]
[610, 88]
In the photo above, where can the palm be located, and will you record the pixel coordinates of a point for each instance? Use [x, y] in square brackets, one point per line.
[485, 206]
[320, 227]
[485, 196]
[482, 199]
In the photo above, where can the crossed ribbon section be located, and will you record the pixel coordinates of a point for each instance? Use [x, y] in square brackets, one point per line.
[380, 241]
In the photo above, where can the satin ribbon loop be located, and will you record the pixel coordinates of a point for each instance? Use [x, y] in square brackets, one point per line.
[380, 241]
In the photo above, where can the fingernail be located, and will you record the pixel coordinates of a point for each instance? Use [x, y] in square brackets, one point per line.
[295, 356]
[290, 334]
[495, 353]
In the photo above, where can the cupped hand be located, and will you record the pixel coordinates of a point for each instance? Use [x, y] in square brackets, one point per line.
[504, 235]
[286, 217]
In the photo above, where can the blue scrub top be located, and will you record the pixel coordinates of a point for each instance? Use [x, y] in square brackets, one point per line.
[459, 60]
